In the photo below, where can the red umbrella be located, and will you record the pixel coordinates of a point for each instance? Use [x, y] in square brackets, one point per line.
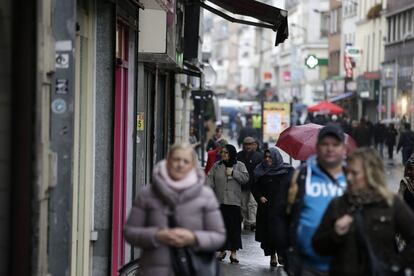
[326, 107]
[300, 141]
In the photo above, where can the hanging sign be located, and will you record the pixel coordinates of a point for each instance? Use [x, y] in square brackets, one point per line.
[276, 118]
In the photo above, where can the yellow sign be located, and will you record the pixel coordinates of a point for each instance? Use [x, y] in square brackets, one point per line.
[276, 118]
[140, 121]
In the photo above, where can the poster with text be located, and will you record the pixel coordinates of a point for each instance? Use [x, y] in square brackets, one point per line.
[276, 118]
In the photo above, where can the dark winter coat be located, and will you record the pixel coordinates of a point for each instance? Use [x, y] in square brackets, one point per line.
[362, 136]
[196, 209]
[391, 137]
[382, 223]
[406, 140]
[380, 131]
[271, 218]
[250, 160]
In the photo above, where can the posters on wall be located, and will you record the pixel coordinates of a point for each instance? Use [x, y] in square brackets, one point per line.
[276, 118]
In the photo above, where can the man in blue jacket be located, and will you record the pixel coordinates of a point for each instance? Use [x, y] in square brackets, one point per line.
[313, 186]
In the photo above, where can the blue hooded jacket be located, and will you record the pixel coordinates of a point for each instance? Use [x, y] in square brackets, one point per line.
[319, 191]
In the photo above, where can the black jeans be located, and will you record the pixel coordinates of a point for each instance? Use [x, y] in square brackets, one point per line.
[390, 151]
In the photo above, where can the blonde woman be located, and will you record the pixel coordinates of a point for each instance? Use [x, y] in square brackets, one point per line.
[358, 229]
[177, 192]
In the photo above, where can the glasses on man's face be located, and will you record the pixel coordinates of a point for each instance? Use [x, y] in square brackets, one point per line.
[224, 152]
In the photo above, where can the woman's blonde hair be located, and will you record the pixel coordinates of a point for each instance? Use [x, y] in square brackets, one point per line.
[184, 146]
[374, 171]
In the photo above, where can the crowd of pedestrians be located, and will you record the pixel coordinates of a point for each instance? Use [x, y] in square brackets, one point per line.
[333, 215]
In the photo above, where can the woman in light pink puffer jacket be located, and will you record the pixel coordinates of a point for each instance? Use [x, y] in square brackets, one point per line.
[177, 182]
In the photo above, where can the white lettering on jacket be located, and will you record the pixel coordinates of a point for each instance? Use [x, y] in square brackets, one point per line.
[317, 189]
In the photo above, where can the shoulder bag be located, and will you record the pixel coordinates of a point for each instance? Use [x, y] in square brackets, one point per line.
[187, 262]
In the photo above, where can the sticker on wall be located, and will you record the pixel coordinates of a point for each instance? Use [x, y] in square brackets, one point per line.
[59, 106]
[140, 121]
[61, 86]
[62, 60]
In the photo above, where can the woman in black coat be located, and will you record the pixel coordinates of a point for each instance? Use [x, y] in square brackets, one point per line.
[270, 189]
[391, 139]
[358, 229]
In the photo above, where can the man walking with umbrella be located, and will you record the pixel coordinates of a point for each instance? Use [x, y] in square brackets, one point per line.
[313, 186]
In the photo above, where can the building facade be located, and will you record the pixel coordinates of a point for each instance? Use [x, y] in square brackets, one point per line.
[370, 32]
[308, 36]
[397, 80]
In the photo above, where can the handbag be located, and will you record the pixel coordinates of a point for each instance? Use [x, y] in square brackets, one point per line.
[376, 267]
[187, 262]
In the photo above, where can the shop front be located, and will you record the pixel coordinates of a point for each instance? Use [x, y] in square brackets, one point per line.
[368, 91]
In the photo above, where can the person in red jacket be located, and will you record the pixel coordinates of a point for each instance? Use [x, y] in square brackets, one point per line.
[214, 155]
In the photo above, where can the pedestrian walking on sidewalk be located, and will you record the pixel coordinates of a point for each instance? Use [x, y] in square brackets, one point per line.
[270, 191]
[178, 190]
[406, 190]
[406, 143]
[250, 158]
[391, 140]
[212, 143]
[362, 134]
[313, 187]
[380, 131]
[214, 156]
[227, 178]
[358, 230]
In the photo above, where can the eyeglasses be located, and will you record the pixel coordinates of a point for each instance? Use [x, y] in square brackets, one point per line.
[224, 152]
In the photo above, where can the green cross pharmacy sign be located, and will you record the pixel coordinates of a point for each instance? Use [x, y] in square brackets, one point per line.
[313, 61]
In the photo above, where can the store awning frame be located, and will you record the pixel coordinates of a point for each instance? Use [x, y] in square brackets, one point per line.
[269, 17]
[341, 96]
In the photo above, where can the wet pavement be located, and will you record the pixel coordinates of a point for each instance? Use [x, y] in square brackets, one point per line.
[252, 260]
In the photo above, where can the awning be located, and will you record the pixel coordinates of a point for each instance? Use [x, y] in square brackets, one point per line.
[268, 16]
[341, 97]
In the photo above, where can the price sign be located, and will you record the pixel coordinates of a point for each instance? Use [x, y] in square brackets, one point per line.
[140, 121]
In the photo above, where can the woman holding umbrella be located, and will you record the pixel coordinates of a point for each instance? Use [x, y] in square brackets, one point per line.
[270, 191]
[226, 178]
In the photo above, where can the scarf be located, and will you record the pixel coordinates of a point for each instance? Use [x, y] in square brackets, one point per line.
[232, 156]
[278, 167]
[189, 180]
[363, 197]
